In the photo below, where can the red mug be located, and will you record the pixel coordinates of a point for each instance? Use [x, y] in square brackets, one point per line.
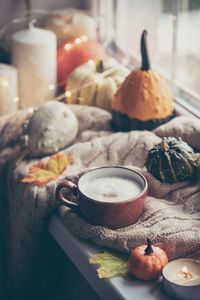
[110, 196]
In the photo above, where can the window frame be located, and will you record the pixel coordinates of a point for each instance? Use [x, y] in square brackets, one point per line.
[186, 100]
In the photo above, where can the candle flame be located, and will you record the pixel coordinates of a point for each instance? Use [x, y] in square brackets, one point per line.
[184, 274]
[184, 269]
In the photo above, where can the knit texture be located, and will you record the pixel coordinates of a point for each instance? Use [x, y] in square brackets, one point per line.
[171, 218]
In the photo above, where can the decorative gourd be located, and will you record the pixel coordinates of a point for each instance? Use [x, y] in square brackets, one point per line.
[76, 52]
[95, 83]
[144, 100]
[146, 261]
[51, 128]
[171, 161]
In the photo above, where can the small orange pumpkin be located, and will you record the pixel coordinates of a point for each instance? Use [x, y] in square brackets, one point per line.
[146, 261]
[144, 100]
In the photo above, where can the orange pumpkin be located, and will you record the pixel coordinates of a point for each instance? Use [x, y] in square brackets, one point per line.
[144, 99]
[146, 261]
[76, 52]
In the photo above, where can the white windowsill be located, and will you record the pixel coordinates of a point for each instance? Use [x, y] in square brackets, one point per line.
[117, 288]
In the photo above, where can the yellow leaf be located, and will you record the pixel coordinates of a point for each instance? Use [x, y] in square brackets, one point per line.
[58, 162]
[43, 172]
[111, 264]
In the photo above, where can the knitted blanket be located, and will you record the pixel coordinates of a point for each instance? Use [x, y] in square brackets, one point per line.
[171, 218]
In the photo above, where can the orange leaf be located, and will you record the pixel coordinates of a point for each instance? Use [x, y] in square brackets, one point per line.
[43, 172]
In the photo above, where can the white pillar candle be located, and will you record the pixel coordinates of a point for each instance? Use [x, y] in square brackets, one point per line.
[34, 55]
[8, 89]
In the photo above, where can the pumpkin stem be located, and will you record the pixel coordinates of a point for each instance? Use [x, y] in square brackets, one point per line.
[164, 146]
[144, 52]
[99, 66]
[149, 248]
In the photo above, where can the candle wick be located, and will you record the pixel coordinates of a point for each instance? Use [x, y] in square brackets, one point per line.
[184, 275]
[31, 23]
[28, 12]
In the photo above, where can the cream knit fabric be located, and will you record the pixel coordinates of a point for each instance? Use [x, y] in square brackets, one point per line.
[172, 213]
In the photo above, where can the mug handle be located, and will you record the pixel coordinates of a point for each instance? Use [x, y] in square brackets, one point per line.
[66, 184]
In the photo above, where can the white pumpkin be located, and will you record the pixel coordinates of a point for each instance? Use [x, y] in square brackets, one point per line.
[95, 83]
[51, 128]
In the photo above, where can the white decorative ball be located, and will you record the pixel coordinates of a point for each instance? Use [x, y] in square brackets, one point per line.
[51, 128]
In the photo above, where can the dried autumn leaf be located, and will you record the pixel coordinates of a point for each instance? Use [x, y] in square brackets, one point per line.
[43, 172]
[111, 264]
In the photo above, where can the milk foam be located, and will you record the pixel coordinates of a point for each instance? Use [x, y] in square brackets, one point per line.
[111, 189]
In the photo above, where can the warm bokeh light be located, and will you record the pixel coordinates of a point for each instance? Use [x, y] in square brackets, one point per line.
[78, 41]
[4, 82]
[67, 93]
[51, 86]
[15, 99]
[91, 62]
[31, 109]
[67, 46]
[84, 38]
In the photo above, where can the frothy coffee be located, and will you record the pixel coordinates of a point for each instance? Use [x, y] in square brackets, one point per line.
[111, 188]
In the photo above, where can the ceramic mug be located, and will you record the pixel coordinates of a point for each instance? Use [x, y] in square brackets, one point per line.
[108, 196]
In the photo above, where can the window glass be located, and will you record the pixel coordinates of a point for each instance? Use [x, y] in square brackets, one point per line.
[173, 38]
[188, 46]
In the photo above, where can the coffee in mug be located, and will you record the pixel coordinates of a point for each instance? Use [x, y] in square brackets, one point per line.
[109, 196]
[113, 188]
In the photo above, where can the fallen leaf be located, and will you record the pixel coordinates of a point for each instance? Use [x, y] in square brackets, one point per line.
[111, 264]
[43, 172]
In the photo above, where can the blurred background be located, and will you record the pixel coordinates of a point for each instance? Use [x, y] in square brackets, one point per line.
[173, 26]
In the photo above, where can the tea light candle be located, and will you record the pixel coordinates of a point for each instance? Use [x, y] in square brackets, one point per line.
[181, 278]
[34, 54]
[8, 89]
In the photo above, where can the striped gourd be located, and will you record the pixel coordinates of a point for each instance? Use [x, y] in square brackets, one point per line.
[172, 160]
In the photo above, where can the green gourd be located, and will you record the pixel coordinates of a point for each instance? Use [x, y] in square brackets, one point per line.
[172, 160]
